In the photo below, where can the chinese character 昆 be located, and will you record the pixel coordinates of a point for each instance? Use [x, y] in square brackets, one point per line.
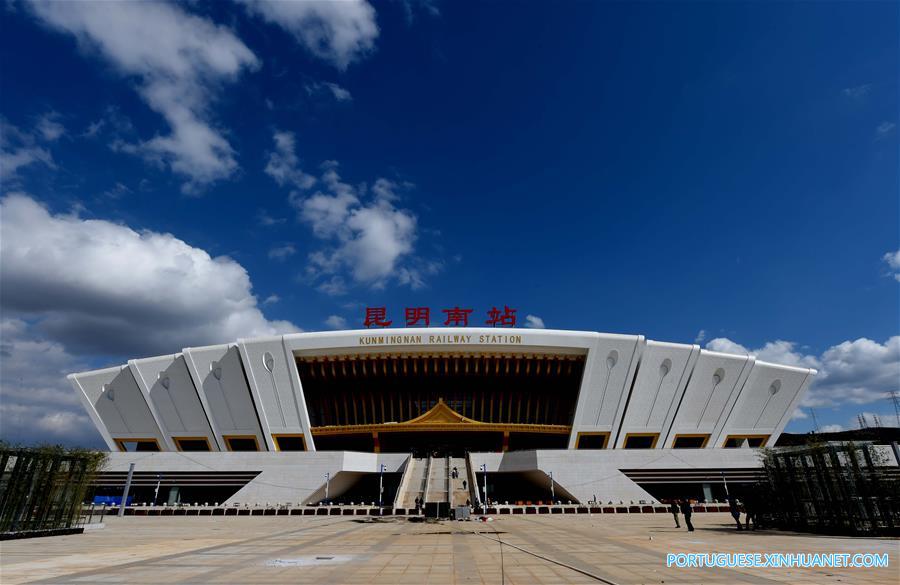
[375, 317]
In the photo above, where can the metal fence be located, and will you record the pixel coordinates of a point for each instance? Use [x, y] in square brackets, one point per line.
[43, 488]
[832, 488]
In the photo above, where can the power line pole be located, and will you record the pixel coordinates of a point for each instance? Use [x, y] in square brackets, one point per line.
[896, 400]
[815, 421]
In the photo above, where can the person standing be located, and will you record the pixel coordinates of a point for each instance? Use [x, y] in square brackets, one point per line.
[673, 508]
[735, 511]
[686, 510]
[750, 504]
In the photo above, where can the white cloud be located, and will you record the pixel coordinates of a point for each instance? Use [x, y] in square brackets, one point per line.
[338, 32]
[853, 372]
[284, 165]
[799, 414]
[179, 61]
[20, 149]
[370, 240]
[892, 259]
[534, 322]
[282, 252]
[97, 286]
[334, 286]
[271, 300]
[884, 129]
[831, 428]
[332, 89]
[49, 128]
[264, 219]
[701, 336]
[858, 92]
[336, 322]
[38, 405]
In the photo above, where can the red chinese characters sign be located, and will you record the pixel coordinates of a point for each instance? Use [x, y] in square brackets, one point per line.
[453, 317]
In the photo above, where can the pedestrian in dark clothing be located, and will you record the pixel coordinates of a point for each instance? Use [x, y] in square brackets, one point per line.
[465, 483]
[750, 504]
[674, 510]
[686, 510]
[735, 511]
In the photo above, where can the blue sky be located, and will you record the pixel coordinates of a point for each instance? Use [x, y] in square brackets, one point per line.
[181, 174]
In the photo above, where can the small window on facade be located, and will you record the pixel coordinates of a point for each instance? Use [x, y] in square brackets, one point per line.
[690, 441]
[737, 441]
[643, 441]
[132, 445]
[587, 441]
[241, 443]
[192, 444]
[290, 443]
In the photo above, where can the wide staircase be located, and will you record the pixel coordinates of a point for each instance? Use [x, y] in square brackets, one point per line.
[432, 480]
[437, 486]
[412, 485]
[459, 486]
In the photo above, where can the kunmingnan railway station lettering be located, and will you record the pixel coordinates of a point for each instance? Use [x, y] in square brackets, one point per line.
[437, 339]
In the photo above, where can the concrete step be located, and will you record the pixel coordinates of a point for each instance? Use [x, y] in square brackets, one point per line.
[412, 485]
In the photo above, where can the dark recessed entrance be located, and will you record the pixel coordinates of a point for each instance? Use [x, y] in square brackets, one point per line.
[455, 443]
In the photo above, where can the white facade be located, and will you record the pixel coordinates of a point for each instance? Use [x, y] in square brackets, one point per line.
[630, 387]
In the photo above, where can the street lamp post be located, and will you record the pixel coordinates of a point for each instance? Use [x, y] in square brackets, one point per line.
[552, 491]
[381, 489]
[327, 481]
[484, 500]
[156, 491]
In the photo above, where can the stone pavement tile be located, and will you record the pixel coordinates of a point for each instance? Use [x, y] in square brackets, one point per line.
[625, 549]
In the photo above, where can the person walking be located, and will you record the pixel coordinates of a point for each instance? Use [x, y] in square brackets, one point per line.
[735, 511]
[673, 508]
[686, 511]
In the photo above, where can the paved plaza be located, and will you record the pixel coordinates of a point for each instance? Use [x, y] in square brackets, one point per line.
[536, 549]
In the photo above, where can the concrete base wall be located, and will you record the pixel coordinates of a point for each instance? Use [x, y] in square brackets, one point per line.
[299, 478]
[589, 474]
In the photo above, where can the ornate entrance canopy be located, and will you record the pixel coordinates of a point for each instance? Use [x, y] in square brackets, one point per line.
[441, 418]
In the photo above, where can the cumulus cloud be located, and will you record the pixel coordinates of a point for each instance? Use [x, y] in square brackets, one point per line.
[327, 88]
[282, 252]
[337, 32]
[179, 61]
[831, 428]
[368, 239]
[49, 126]
[38, 405]
[799, 414]
[19, 149]
[701, 336]
[779, 352]
[264, 219]
[534, 322]
[853, 372]
[892, 259]
[884, 129]
[271, 299]
[336, 322]
[98, 286]
[283, 165]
